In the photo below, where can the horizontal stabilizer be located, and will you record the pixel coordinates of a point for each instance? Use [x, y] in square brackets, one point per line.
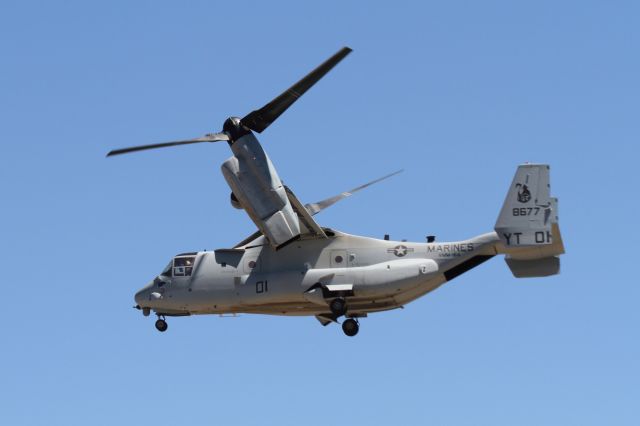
[534, 267]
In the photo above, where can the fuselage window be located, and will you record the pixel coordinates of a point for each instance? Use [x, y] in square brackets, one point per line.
[183, 266]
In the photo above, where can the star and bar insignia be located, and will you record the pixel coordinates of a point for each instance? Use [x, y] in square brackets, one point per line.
[400, 250]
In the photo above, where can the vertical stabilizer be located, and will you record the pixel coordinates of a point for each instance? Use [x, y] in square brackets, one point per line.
[528, 224]
[527, 212]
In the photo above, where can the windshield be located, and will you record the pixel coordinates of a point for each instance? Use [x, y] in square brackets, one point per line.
[183, 266]
[166, 272]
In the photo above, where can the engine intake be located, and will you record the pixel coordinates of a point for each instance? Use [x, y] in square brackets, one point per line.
[235, 202]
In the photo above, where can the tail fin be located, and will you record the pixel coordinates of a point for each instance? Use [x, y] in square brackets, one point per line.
[528, 224]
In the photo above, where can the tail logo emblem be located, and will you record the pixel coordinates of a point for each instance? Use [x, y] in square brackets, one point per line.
[524, 195]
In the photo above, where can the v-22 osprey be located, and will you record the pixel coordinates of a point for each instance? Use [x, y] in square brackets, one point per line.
[293, 266]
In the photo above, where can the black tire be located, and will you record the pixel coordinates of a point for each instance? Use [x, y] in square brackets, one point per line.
[162, 325]
[338, 307]
[350, 327]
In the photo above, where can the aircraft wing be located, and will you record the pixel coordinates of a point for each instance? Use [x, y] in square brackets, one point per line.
[303, 215]
[247, 240]
[308, 226]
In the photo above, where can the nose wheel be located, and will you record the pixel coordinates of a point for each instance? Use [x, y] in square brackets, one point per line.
[350, 327]
[161, 325]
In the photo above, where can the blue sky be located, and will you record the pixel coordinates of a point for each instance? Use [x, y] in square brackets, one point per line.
[456, 93]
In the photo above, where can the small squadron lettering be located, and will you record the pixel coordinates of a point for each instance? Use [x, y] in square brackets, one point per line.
[525, 211]
[513, 238]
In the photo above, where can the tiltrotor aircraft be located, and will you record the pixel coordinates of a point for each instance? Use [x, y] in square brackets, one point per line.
[294, 266]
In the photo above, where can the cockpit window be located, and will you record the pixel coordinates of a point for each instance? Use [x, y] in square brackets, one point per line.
[183, 266]
[166, 272]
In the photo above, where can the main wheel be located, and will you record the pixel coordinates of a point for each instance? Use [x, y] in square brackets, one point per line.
[350, 327]
[338, 306]
[161, 325]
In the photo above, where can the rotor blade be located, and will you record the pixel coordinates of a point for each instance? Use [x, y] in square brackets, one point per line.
[262, 118]
[211, 137]
[315, 208]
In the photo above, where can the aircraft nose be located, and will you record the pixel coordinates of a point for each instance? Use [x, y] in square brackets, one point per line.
[139, 297]
[142, 295]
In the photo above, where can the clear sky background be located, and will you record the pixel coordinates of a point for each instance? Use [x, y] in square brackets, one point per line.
[457, 93]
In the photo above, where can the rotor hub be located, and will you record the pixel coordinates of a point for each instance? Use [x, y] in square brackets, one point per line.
[234, 128]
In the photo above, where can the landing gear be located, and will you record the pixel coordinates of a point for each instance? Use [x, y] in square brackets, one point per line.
[161, 325]
[350, 327]
[338, 307]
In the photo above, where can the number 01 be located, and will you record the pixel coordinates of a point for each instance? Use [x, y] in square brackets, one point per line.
[262, 286]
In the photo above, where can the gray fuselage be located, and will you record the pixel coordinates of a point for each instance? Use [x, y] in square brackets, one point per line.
[302, 277]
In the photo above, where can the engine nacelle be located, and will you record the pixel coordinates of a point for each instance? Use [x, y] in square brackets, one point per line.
[258, 189]
[235, 202]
